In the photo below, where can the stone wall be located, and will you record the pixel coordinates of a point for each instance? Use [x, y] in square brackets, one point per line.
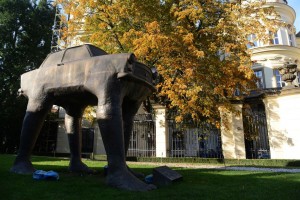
[283, 117]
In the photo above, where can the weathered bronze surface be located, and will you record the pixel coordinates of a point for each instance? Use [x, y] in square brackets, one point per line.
[73, 79]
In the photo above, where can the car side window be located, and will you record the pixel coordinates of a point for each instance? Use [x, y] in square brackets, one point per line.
[76, 53]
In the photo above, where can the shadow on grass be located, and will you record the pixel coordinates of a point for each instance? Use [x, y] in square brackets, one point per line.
[196, 184]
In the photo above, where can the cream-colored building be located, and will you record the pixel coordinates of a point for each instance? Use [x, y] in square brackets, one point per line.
[275, 64]
[282, 109]
[282, 49]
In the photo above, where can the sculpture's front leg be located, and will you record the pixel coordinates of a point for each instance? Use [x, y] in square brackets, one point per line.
[111, 129]
[109, 117]
[32, 124]
[129, 110]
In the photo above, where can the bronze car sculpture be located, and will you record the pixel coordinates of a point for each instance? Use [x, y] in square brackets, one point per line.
[73, 79]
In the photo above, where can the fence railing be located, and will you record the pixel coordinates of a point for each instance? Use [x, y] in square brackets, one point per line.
[258, 145]
[142, 141]
[202, 141]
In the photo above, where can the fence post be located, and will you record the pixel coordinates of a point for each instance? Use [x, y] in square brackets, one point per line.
[162, 136]
[232, 134]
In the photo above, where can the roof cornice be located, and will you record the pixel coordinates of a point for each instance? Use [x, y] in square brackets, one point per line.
[284, 9]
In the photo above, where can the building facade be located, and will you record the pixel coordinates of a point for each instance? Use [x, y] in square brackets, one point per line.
[268, 58]
[276, 65]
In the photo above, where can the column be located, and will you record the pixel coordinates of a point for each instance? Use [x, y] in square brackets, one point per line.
[232, 133]
[162, 139]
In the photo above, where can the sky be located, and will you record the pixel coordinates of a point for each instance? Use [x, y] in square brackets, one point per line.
[295, 4]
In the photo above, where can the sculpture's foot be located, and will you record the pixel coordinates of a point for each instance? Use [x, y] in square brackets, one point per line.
[80, 167]
[136, 174]
[125, 180]
[22, 167]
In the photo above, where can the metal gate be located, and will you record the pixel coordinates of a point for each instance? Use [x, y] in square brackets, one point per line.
[142, 141]
[46, 141]
[204, 141]
[87, 140]
[256, 133]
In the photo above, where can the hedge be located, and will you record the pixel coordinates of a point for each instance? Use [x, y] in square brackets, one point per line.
[214, 161]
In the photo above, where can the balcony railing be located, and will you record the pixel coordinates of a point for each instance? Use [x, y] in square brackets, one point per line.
[277, 1]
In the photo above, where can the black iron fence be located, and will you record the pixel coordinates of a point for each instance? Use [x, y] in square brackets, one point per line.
[202, 141]
[142, 141]
[47, 138]
[88, 140]
[256, 135]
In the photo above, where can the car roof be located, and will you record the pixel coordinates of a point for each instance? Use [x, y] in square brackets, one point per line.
[72, 54]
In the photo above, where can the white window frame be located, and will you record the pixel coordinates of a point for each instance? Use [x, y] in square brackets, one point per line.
[291, 39]
[275, 39]
[261, 82]
[297, 80]
[278, 78]
[252, 38]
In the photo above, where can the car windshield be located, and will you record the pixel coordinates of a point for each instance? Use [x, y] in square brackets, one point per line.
[53, 59]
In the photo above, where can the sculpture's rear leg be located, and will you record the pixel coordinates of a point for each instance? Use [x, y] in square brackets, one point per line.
[33, 121]
[73, 120]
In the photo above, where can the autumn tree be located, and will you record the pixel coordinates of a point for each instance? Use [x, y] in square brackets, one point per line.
[198, 46]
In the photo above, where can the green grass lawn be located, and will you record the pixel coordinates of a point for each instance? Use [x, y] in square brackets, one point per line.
[196, 184]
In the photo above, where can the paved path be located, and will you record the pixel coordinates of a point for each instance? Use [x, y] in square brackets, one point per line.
[289, 170]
